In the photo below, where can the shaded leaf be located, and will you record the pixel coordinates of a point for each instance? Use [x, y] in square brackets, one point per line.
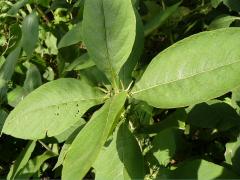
[201, 170]
[3, 116]
[34, 165]
[232, 154]
[160, 19]
[128, 68]
[122, 159]
[15, 8]
[166, 144]
[73, 36]
[21, 160]
[7, 70]
[82, 62]
[215, 115]
[176, 119]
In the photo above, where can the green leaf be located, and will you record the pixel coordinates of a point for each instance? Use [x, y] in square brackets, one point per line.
[232, 154]
[214, 114]
[94, 76]
[62, 154]
[67, 145]
[44, 3]
[33, 77]
[215, 3]
[87, 145]
[16, 95]
[72, 129]
[30, 33]
[201, 170]
[3, 116]
[73, 36]
[122, 159]
[21, 160]
[188, 72]
[233, 5]
[7, 70]
[222, 22]
[166, 144]
[128, 68]
[82, 62]
[15, 8]
[59, 105]
[109, 33]
[160, 19]
[34, 165]
[2, 61]
[176, 119]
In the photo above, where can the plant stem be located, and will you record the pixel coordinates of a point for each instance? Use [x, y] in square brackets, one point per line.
[45, 146]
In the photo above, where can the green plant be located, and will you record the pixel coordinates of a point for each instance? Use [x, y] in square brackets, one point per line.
[105, 115]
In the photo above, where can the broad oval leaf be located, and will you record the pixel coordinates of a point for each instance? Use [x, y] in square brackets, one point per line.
[122, 159]
[57, 106]
[88, 143]
[109, 33]
[30, 33]
[194, 70]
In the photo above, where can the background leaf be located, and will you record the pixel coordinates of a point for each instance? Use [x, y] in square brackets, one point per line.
[160, 19]
[34, 165]
[6, 72]
[30, 33]
[73, 36]
[21, 160]
[222, 22]
[200, 169]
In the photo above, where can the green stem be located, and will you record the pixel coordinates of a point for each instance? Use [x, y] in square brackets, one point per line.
[46, 146]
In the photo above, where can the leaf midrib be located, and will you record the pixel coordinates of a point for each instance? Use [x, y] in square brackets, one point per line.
[185, 78]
